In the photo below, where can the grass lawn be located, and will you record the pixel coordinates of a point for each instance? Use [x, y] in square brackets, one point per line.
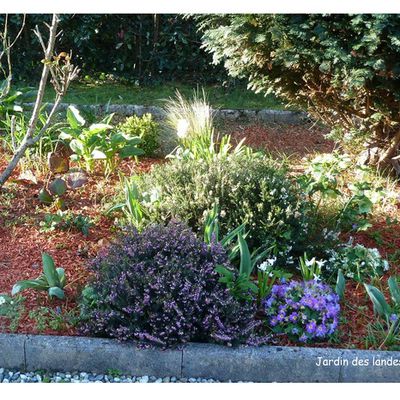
[117, 93]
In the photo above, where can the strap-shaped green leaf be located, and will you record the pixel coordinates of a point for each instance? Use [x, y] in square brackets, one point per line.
[245, 258]
[49, 270]
[394, 289]
[28, 284]
[381, 307]
[57, 292]
[230, 235]
[61, 276]
[340, 284]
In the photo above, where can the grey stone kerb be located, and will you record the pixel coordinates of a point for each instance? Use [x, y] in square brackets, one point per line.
[264, 115]
[257, 364]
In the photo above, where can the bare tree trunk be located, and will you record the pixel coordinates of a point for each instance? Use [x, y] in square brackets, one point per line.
[61, 86]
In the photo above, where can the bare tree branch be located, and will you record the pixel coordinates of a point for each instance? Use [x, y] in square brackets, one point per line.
[63, 72]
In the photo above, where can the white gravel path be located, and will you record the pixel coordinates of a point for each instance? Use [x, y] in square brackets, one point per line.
[13, 376]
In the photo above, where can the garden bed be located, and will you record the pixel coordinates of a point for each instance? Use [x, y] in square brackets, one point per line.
[22, 241]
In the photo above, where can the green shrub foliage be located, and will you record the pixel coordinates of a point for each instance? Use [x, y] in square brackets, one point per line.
[145, 128]
[135, 47]
[344, 69]
[249, 188]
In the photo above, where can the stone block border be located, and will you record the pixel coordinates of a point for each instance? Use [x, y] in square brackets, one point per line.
[256, 364]
[264, 115]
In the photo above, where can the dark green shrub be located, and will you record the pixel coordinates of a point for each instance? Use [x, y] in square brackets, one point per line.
[249, 188]
[136, 47]
[146, 129]
[344, 69]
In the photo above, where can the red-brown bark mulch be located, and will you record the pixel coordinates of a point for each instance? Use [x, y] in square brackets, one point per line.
[290, 140]
[22, 242]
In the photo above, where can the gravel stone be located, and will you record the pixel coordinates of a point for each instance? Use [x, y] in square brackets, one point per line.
[13, 376]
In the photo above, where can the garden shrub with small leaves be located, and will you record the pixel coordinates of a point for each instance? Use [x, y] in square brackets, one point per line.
[305, 311]
[145, 128]
[248, 188]
[160, 286]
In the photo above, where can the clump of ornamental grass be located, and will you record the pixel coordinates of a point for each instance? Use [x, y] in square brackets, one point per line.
[160, 286]
[305, 311]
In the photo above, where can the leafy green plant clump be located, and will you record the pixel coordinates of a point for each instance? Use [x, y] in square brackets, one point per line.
[65, 220]
[98, 142]
[52, 280]
[357, 262]
[349, 191]
[11, 310]
[146, 129]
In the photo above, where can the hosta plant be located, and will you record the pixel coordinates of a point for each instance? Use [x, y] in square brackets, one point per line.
[98, 142]
[52, 280]
[53, 193]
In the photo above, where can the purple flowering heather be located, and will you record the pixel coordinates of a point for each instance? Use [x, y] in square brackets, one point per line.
[303, 310]
[161, 286]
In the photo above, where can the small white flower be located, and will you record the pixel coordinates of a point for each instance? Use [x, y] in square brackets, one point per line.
[263, 266]
[2, 300]
[320, 263]
[182, 128]
[316, 278]
[311, 262]
[269, 262]
[154, 195]
[385, 265]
